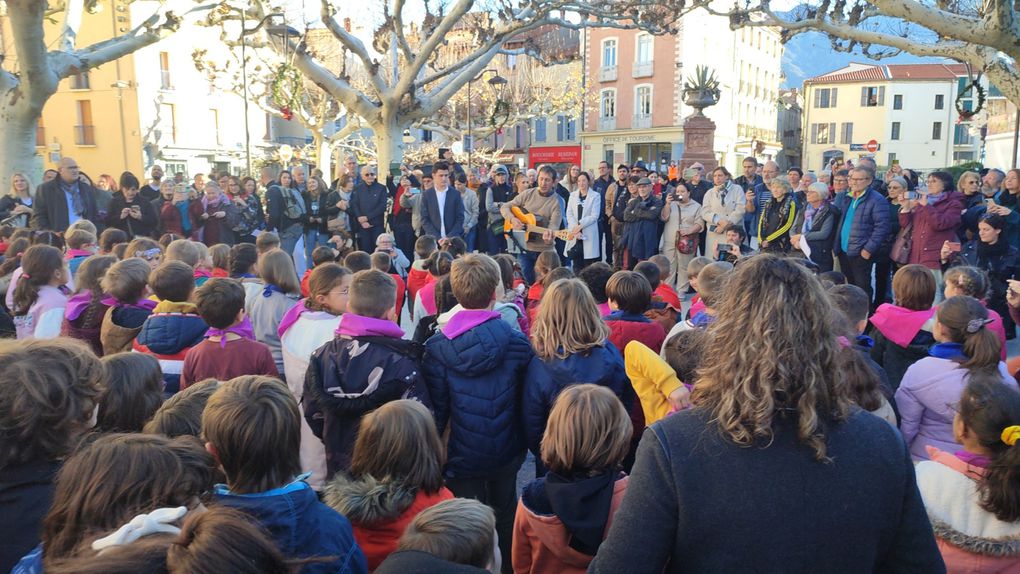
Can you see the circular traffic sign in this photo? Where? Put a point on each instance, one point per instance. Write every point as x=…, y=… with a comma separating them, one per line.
x=872, y=146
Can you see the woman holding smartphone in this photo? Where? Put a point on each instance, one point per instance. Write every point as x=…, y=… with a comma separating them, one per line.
x=130, y=212
x=933, y=219
x=991, y=253
x=1006, y=205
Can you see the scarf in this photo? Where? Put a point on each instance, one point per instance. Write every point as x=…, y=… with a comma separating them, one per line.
x=978, y=460
x=361, y=326
x=200, y=273
x=900, y=325
x=242, y=329
x=146, y=304
x=291, y=316
x=78, y=303
x=987, y=251
x=270, y=289
x=951, y=351
x=583, y=506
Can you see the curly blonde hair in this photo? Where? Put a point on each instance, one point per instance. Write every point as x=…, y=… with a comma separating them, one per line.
x=758, y=366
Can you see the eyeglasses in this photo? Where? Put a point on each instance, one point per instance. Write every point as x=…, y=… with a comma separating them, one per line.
x=369, y=175
x=859, y=179
x=345, y=291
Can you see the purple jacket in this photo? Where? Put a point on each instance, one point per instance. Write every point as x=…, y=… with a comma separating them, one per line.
x=933, y=225
x=930, y=389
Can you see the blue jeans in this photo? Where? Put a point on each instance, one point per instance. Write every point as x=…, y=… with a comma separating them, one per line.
x=470, y=237
x=527, y=260
x=313, y=239
x=289, y=237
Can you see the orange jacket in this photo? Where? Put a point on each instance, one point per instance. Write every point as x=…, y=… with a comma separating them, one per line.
x=541, y=543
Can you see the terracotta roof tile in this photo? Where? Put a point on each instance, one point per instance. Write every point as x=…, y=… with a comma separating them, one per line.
x=859, y=75
x=921, y=72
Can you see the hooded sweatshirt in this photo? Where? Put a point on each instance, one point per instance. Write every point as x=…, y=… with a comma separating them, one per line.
x=302, y=331
x=379, y=511
x=301, y=526
x=542, y=541
x=122, y=324
x=476, y=367
x=970, y=538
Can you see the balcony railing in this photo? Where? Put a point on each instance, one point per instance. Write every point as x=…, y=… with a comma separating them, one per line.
x=164, y=80
x=40, y=136
x=84, y=135
x=641, y=121
x=607, y=74
x=642, y=69
x=607, y=124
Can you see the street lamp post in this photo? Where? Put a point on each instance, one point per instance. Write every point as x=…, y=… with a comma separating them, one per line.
x=496, y=82
x=244, y=78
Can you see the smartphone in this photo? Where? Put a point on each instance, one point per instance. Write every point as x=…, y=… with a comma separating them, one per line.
x=912, y=195
x=896, y=162
x=724, y=248
x=955, y=247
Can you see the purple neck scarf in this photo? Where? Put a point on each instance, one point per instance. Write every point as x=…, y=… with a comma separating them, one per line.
x=242, y=329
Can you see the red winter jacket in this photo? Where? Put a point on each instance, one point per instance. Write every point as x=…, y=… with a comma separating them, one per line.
x=933, y=226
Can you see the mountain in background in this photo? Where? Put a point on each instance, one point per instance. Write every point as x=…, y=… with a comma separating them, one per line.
x=810, y=54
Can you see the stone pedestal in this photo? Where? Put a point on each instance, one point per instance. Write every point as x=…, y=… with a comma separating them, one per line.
x=699, y=141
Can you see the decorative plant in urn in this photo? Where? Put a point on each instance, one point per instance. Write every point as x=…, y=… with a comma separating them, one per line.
x=701, y=90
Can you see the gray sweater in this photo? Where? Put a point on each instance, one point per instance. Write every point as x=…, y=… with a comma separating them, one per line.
x=266, y=314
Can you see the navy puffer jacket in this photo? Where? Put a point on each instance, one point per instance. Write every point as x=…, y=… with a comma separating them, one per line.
x=476, y=381
x=601, y=365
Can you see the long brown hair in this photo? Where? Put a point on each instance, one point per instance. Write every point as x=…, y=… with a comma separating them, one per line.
x=588, y=432
x=987, y=408
x=112, y=479
x=568, y=321
x=758, y=366
x=965, y=320
x=131, y=392
x=398, y=442
x=324, y=278
x=39, y=264
x=277, y=268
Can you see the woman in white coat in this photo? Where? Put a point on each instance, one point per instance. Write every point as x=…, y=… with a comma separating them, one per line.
x=724, y=204
x=680, y=235
x=583, y=223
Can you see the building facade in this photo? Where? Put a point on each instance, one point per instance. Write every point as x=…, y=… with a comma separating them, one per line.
x=149, y=107
x=638, y=80
x=903, y=114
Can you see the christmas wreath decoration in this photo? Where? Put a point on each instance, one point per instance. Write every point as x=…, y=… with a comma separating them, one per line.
x=500, y=114
x=976, y=86
x=284, y=88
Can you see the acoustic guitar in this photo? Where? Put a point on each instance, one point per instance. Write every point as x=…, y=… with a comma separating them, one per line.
x=531, y=224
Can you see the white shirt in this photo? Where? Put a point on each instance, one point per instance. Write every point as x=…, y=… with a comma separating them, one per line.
x=441, y=198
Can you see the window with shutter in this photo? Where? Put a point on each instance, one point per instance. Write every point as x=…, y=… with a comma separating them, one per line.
x=818, y=97
x=832, y=133
x=814, y=133
x=832, y=98
x=895, y=131
x=540, y=130
x=881, y=96
x=559, y=128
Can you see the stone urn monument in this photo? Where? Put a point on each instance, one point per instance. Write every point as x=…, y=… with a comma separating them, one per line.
x=700, y=92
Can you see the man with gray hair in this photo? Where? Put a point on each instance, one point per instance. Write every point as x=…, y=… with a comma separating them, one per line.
x=759, y=197
x=300, y=181
x=991, y=183
x=864, y=226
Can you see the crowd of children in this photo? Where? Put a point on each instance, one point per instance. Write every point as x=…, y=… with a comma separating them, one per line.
x=166, y=404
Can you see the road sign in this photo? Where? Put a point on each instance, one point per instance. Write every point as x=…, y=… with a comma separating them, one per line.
x=872, y=146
